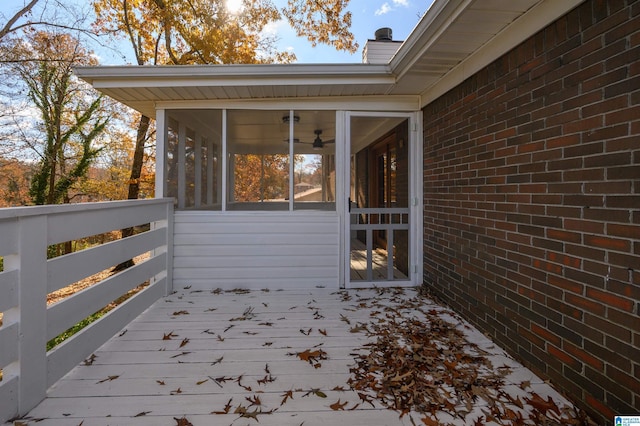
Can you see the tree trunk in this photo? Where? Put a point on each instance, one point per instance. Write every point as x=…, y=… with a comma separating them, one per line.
x=134, y=180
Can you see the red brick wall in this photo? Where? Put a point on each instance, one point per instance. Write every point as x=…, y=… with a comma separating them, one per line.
x=532, y=203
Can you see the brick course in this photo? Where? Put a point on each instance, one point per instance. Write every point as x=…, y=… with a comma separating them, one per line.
x=532, y=203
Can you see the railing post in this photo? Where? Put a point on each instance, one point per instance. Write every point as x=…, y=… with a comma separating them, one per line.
x=169, y=242
x=32, y=306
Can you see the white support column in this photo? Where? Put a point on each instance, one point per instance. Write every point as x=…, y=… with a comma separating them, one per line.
x=32, y=306
x=161, y=154
x=225, y=182
x=292, y=165
x=343, y=167
x=416, y=198
x=210, y=172
x=169, y=242
x=198, y=169
x=182, y=184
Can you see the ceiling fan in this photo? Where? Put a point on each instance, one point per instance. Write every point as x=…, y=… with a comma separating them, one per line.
x=317, y=143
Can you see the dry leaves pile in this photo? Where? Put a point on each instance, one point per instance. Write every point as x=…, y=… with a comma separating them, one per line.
x=427, y=366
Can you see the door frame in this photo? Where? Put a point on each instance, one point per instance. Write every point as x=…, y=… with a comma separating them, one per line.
x=343, y=129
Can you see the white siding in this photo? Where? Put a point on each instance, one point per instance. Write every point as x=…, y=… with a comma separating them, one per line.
x=379, y=52
x=256, y=250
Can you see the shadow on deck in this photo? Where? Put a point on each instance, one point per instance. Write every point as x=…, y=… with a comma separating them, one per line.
x=267, y=358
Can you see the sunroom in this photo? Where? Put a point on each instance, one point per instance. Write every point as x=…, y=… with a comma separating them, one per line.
x=311, y=196
x=309, y=180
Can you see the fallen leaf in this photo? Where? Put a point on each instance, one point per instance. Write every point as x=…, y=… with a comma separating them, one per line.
x=160, y=382
x=142, y=413
x=181, y=354
x=184, y=342
x=338, y=406
x=108, y=379
x=90, y=360
x=541, y=405
x=183, y=422
x=168, y=336
x=226, y=408
x=176, y=392
x=180, y=313
x=255, y=400
x=286, y=396
x=322, y=331
x=202, y=382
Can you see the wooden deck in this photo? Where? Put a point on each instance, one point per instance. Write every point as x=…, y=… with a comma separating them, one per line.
x=194, y=353
x=379, y=258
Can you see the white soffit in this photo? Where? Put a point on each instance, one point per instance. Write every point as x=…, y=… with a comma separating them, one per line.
x=458, y=38
x=454, y=40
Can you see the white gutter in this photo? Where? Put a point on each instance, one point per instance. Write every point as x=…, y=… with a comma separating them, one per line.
x=225, y=75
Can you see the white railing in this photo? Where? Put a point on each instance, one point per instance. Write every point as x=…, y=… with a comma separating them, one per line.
x=379, y=219
x=28, y=370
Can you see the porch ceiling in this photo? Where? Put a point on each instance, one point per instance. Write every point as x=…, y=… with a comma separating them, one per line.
x=453, y=40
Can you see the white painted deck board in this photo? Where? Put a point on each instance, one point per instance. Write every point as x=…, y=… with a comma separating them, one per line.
x=165, y=381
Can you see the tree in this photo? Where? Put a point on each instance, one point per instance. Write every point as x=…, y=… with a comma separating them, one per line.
x=14, y=182
x=70, y=119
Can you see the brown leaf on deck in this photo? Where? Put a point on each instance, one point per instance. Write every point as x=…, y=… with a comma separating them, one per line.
x=338, y=405
x=286, y=396
x=226, y=408
x=541, y=405
x=312, y=357
x=255, y=400
x=184, y=342
x=142, y=413
x=169, y=335
x=108, y=379
x=183, y=312
x=182, y=421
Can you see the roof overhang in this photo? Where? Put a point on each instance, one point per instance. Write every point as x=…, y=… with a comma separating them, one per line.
x=454, y=39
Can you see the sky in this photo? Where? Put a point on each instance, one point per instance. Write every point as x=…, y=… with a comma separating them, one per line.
x=367, y=16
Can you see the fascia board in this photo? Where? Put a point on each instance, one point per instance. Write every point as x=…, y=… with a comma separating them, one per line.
x=208, y=75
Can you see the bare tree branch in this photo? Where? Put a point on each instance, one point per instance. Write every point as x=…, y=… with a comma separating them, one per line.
x=8, y=27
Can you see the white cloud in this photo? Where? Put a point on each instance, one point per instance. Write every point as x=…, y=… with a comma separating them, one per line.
x=274, y=28
x=384, y=9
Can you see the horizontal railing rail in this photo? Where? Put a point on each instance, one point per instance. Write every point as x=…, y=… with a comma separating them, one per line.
x=27, y=277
